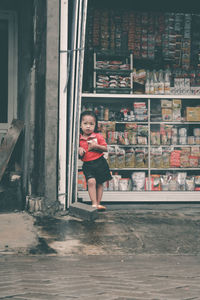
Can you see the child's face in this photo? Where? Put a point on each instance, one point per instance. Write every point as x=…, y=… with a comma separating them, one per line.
x=88, y=124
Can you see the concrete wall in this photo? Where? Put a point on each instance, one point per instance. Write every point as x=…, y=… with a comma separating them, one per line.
x=51, y=105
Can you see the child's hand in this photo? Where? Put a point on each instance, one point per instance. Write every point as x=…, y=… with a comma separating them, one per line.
x=81, y=151
x=92, y=145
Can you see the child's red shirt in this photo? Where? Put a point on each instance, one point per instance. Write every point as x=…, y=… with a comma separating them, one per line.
x=91, y=155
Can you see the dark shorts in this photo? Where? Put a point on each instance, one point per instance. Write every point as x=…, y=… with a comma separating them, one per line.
x=97, y=169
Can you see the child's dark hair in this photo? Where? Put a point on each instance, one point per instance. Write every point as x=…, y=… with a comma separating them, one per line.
x=89, y=113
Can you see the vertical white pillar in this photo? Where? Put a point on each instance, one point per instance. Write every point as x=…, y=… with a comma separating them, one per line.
x=62, y=144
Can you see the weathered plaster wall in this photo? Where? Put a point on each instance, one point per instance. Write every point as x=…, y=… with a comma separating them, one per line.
x=40, y=18
x=51, y=105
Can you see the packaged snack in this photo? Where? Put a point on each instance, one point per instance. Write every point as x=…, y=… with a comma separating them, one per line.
x=155, y=183
x=194, y=161
x=184, y=161
x=138, y=181
x=132, y=138
x=195, y=150
x=181, y=177
x=124, y=184
x=116, y=179
x=120, y=157
x=121, y=138
x=189, y=183
x=174, y=131
x=175, y=159
x=197, y=183
x=185, y=150
x=82, y=184
x=164, y=140
x=166, y=103
x=182, y=131
x=164, y=183
x=131, y=126
x=141, y=158
x=142, y=130
x=156, y=158
x=129, y=158
x=166, y=114
x=112, y=137
x=111, y=157
x=155, y=138
x=197, y=140
x=174, y=139
x=176, y=114
x=196, y=131
x=191, y=140
x=142, y=140
x=176, y=103
x=182, y=140
x=173, y=183
x=193, y=114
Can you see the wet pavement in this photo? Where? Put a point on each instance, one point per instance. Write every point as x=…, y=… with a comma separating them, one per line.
x=118, y=277
x=148, y=252
x=169, y=229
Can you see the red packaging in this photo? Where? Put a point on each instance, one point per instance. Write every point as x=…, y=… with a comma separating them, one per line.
x=175, y=158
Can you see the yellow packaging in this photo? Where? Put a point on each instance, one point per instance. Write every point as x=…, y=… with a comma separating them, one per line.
x=176, y=103
x=167, y=114
x=193, y=114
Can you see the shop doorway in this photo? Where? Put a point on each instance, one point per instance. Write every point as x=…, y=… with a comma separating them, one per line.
x=8, y=70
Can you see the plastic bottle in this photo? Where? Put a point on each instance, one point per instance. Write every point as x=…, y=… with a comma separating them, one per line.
x=167, y=82
x=147, y=83
x=151, y=84
x=160, y=82
x=155, y=82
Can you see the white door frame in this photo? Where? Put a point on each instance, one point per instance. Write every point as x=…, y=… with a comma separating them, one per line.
x=68, y=136
x=62, y=143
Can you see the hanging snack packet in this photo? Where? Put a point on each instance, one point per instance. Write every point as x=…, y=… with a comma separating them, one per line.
x=139, y=158
x=129, y=158
x=120, y=157
x=111, y=157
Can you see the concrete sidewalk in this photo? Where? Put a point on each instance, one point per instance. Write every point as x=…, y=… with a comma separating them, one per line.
x=122, y=229
x=17, y=232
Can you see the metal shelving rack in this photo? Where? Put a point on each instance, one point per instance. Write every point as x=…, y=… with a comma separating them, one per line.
x=113, y=72
x=147, y=196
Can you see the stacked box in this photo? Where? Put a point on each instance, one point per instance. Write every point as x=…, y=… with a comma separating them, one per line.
x=193, y=114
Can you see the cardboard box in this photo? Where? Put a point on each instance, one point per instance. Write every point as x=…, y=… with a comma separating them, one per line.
x=193, y=114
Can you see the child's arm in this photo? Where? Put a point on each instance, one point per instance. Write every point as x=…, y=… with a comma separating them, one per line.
x=92, y=145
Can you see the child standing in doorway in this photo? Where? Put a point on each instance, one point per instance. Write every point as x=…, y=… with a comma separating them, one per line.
x=91, y=148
